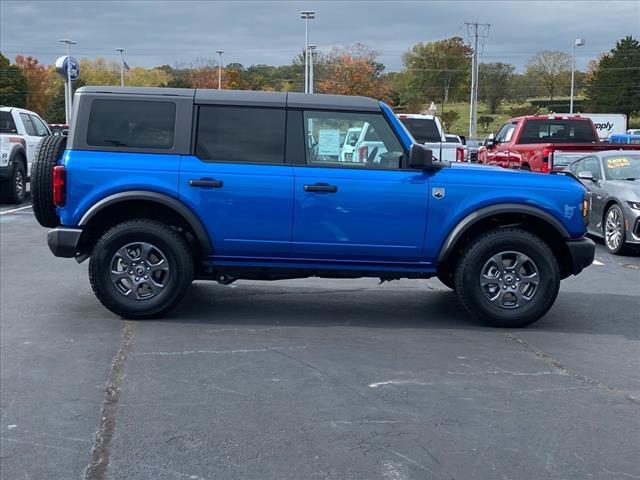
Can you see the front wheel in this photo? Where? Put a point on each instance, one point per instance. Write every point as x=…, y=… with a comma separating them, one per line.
x=141, y=269
x=614, y=231
x=508, y=278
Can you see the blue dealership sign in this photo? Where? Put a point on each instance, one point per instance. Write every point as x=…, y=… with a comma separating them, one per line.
x=68, y=67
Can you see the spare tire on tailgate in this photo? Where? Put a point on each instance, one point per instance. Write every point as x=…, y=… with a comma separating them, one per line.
x=49, y=152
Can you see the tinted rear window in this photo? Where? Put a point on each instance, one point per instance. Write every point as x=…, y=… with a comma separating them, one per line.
x=557, y=131
x=422, y=129
x=238, y=134
x=7, y=125
x=131, y=124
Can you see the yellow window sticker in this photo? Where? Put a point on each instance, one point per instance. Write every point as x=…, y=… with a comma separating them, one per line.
x=618, y=162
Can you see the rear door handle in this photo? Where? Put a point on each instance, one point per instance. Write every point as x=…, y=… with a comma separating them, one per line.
x=205, y=182
x=321, y=187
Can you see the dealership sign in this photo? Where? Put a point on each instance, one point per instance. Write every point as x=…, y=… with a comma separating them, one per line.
x=68, y=67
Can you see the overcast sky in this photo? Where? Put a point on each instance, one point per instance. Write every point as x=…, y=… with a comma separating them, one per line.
x=177, y=32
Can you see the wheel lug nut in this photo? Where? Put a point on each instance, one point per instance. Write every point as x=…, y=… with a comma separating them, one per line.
x=131, y=272
x=137, y=279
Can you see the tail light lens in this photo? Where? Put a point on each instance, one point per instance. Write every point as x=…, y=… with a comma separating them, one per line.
x=363, y=153
x=546, y=153
x=18, y=140
x=59, y=190
x=459, y=154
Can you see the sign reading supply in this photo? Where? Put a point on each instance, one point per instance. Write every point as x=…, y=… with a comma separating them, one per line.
x=607, y=124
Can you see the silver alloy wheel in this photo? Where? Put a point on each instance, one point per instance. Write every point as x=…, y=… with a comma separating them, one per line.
x=509, y=279
x=613, y=229
x=139, y=271
x=19, y=184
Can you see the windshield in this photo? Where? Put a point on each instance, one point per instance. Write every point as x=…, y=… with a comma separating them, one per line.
x=7, y=125
x=422, y=129
x=622, y=167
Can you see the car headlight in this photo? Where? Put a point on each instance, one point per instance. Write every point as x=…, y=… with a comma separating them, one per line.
x=634, y=205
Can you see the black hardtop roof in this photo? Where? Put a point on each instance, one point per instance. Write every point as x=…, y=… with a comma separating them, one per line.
x=247, y=97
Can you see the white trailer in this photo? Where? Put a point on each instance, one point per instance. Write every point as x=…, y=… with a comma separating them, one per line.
x=608, y=123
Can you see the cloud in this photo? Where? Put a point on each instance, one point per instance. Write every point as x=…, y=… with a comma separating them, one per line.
x=159, y=32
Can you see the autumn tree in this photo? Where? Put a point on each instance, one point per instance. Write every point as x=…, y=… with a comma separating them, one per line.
x=551, y=69
x=437, y=70
x=204, y=73
x=354, y=70
x=494, y=82
x=615, y=83
x=13, y=84
x=36, y=76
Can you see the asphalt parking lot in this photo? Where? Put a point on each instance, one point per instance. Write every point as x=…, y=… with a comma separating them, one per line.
x=312, y=379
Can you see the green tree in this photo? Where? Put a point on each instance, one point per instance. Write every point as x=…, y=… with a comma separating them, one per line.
x=13, y=84
x=615, y=83
x=437, y=70
x=494, y=82
x=551, y=70
x=485, y=121
x=449, y=118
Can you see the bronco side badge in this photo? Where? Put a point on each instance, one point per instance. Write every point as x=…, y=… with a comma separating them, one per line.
x=437, y=192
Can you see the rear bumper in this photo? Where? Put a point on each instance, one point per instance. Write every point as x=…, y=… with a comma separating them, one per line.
x=63, y=242
x=582, y=252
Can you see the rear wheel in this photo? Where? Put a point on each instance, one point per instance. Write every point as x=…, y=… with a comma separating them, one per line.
x=508, y=278
x=49, y=152
x=141, y=269
x=15, y=188
x=614, y=231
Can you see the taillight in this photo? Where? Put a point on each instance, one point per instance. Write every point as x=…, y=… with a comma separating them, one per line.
x=363, y=154
x=459, y=154
x=59, y=180
x=546, y=153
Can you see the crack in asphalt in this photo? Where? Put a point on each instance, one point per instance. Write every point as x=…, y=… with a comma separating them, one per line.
x=97, y=468
x=564, y=370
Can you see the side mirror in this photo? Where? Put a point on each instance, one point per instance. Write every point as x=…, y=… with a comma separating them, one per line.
x=421, y=158
x=585, y=175
x=490, y=142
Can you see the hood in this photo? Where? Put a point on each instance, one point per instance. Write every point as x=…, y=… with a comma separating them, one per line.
x=624, y=189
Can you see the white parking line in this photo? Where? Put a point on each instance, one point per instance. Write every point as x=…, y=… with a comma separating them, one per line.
x=596, y=262
x=15, y=210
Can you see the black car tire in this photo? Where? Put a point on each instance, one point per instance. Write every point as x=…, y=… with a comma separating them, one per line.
x=14, y=189
x=479, y=253
x=47, y=155
x=622, y=246
x=167, y=241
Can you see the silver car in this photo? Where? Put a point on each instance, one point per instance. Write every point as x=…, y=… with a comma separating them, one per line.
x=613, y=178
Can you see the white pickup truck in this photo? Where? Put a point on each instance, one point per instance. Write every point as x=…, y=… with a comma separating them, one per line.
x=20, y=134
x=426, y=129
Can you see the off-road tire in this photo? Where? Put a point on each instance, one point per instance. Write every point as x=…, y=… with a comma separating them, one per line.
x=47, y=155
x=475, y=257
x=14, y=189
x=169, y=241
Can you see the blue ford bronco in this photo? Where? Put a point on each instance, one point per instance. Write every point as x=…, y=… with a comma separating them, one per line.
x=159, y=186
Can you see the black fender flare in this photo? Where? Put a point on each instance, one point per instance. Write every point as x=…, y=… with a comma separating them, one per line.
x=16, y=151
x=478, y=215
x=166, y=200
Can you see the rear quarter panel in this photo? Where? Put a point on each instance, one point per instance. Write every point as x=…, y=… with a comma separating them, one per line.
x=94, y=175
x=469, y=188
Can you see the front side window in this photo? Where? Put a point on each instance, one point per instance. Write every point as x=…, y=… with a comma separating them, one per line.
x=505, y=133
x=375, y=147
x=239, y=134
x=590, y=164
x=131, y=124
x=41, y=130
x=28, y=126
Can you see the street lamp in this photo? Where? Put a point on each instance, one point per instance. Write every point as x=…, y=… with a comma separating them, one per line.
x=579, y=42
x=312, y=52
x=306, y=15
x=68, y=92
x=220, y=52
x=121, y=50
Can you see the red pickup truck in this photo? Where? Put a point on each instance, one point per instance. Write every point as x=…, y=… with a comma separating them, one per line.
x=528, y=143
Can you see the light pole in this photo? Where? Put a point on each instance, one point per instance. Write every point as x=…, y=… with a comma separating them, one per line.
x=220, y=52
x=306, y=15
x=579, y=42
x=312, y=52
x=68, y=92
x=121, y=50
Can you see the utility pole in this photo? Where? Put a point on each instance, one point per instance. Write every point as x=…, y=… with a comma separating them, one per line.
x=578, y=42
x=306, y=15
x=121, y=50
x=478, y=31
x=220, y=52
x=312, y=52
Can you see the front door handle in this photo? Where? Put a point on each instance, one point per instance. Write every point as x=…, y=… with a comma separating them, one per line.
x=321, y=187
x=205, y=182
